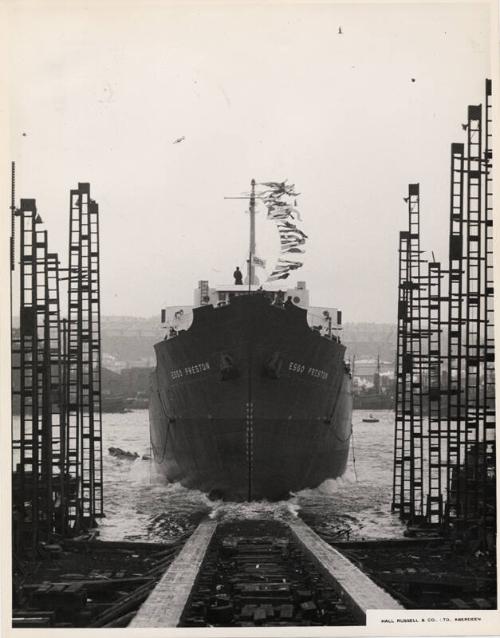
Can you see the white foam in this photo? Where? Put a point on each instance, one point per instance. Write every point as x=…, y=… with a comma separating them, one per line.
x=145, y=472
x=136, y=493
x=230, y=511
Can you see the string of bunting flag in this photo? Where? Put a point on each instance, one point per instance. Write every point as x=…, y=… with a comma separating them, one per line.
x=280, y=199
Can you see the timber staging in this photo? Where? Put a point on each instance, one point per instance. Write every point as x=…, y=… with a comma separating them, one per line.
x=245, y=574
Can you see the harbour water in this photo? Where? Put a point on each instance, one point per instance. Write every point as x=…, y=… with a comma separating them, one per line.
x=139, y=506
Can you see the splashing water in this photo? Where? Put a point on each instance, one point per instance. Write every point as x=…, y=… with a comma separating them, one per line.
x=140, y=506
x=278, y=511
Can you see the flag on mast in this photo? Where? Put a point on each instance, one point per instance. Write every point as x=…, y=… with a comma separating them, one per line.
x=280, y=199
x=257, y=261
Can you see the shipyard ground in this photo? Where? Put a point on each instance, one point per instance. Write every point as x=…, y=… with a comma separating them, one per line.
x=79, y=583
x=243, y=574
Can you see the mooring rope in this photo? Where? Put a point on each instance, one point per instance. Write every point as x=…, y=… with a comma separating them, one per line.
x=150, y=461
x=353, y=455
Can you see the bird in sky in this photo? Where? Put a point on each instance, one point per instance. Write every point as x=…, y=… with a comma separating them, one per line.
x=407, y=199
x=179, y=139
x=464, y=126
x=340, y=31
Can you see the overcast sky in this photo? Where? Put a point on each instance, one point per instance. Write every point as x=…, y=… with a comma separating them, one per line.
x=265, y=92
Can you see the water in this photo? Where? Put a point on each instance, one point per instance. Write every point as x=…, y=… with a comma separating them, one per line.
x=139, y=506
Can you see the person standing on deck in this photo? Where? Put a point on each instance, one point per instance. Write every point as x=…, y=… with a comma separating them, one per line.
x=238, y=277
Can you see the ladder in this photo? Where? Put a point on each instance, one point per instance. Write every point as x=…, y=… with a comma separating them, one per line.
x=408, y=439
x=436, y=432
x=25, y=353
x=58, y=416
x=474, y=309
x=42, y=426
x=400, y=444
x=73, y=363
x=95, y=354
x=415, y=334
x=488, y=338
x=455, y=398
x=84, y=360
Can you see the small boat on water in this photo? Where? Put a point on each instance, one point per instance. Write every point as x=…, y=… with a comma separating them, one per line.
x=370, y=419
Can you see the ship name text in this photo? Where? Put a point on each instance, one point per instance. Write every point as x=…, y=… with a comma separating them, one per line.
x=196, y=368
x=301, y=368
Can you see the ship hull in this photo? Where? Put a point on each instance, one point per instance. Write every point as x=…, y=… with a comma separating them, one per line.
x=250, y=403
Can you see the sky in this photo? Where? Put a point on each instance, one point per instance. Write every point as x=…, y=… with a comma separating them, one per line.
x=99, y=92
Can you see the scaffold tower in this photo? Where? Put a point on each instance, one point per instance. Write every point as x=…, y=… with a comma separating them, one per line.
x=445, y=391
x=408, y=446
x=29, y=448
x=56, y=377
x=83, y=360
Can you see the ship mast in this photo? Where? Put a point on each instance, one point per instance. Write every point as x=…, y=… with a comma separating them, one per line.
x=251, y=278
x=378, y=388
x=251, y=251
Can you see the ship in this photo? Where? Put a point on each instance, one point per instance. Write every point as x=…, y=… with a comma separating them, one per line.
x=374, y=398
x=251, y=395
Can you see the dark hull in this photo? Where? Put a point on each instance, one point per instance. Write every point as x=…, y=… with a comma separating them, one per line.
x=255, y=429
